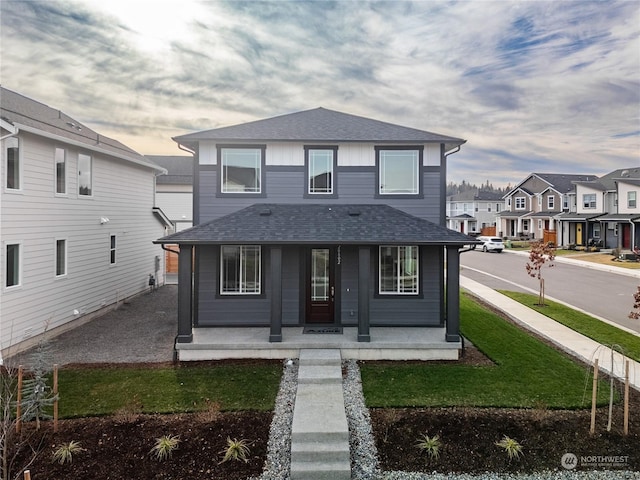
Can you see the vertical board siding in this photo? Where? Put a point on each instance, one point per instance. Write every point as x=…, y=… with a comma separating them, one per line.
x=122, y=192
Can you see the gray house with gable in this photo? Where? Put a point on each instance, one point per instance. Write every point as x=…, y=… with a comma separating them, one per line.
x=318, y=219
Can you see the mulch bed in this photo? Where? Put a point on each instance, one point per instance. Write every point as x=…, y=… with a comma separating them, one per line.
x=119, y=447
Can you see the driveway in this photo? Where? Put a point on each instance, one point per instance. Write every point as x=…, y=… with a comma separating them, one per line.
x=141, y=330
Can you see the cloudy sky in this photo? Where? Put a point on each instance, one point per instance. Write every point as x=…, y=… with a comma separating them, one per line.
x=533, y=86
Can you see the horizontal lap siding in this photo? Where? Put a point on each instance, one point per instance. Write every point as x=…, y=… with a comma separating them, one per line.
x=245, y=310
x=409, y=310
x=355, y=185
x=37, y=217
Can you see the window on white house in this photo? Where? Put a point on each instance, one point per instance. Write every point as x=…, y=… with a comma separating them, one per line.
x=398, y=270
x=241, y=170
x=60, y=158
x=13, y=163
x=551, y=202
x=589, y=200
x=320, y=170
x=565, y=202
x=631, y=199
x=12, y=265
x=488, y=207
x=497, y=207
x=399, y=172
x=85, y=186
x=240, y=269
x=61, y=258
x=520, y=203
x=112, y=249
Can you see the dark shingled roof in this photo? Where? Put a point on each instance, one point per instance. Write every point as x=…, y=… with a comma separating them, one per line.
x=470, y=195
x=19, y=110
x=319, y=125
x=315, y=223
x=179, y=169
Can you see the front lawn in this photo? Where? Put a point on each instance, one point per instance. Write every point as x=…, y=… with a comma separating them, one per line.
x=588, y=326
x=168, y=389
x=527, y=372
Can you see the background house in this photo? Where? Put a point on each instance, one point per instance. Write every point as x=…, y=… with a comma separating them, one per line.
x=77, y=217
x=318, y=218
x=174, y=196
x=605, y=211
x=474, y=212
x=532, y=206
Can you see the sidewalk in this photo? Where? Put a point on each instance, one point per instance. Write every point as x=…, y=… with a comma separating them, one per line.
x=568, y=340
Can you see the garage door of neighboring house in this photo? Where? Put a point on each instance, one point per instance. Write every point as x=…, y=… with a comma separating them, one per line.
x=171, y=259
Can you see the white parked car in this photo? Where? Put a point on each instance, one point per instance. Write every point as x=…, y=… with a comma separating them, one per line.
x=492, y=244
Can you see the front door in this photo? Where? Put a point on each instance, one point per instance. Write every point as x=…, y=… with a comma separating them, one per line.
x=320, y=286
x=579, y=234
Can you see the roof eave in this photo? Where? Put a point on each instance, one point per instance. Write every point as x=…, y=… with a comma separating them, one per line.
x=93, y=148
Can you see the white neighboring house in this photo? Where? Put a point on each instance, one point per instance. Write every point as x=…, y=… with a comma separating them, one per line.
x=174, y=191
x=473, y=210
x=77, y=221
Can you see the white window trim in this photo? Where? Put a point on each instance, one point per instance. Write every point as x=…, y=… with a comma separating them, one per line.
x=396, y=291
x=261, y=164
x=309, y=152
x=55, y=257
x=551, y=202
x=20, y=244
x=243, y=293
x=416, y=172
x=635, y=199
x=55, y=173
x=584, y=203
x=524, y=203
x=5, y=159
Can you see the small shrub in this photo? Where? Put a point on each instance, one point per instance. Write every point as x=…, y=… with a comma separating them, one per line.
x=165, y=446
x=236, y=450
x=65, y=452
x=430, y=445
x=510, y=446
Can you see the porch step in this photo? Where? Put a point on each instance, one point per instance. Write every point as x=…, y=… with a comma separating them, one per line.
x=320, y=435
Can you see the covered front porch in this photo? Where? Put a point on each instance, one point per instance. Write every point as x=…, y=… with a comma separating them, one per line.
x=387, y=343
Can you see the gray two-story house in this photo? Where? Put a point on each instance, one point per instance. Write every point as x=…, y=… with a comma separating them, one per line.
x=317, y=220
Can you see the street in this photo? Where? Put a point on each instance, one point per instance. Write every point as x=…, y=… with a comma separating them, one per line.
x=601, y=293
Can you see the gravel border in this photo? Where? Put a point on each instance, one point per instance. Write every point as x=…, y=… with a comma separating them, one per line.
x=364, y=455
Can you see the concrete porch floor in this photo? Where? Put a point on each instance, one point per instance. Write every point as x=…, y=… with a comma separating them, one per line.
x=387, y=343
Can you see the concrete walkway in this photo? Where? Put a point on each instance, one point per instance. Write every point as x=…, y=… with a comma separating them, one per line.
x=319, y=434
x=569, y=340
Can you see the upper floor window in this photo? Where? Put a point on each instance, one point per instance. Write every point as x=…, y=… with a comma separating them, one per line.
x=631, y=199
x=241, y=169
x=13, y=163
x=565, y=202
x=399, y=170
x=85, y=168
x=12, y=265
x=589, y=200
x=398, y=270
x=540, y=200
x=60, y=158
x=240, y=270
x=497, y=207
x=551, y=202
x=61, y=258
x=488, y=207
x=321, y=164
x=520, y=203
x=112, y=249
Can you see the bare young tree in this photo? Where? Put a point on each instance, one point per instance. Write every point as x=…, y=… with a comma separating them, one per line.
x=541, y=253
x=635, y=313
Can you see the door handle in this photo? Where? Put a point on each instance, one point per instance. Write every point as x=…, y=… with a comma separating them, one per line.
x=332, y=292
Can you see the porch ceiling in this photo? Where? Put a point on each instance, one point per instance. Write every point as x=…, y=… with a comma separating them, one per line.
x=319, y=223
